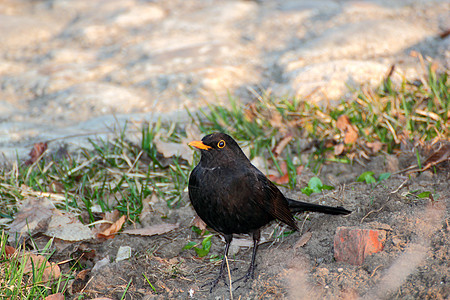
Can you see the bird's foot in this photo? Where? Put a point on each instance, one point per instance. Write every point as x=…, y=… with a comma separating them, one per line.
x=215, y=282
x=246, y=277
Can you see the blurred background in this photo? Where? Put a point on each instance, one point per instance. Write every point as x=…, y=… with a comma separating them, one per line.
x=74, y=69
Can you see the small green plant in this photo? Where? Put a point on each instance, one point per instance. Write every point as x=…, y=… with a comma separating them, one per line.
x=202, y=249
x=368, y=177
x=417, y=194
x=315, y=185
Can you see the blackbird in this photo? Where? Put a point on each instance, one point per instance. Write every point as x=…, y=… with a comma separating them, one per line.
x=232, y=196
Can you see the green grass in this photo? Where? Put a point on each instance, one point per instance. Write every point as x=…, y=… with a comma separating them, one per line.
x=17, y=282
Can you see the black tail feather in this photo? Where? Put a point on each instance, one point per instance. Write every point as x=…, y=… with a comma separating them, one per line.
x=299, y=206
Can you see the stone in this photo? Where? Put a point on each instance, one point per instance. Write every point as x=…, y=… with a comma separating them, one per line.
x=353, y=245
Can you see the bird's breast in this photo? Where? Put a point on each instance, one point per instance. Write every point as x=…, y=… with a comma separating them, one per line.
x=222, y=200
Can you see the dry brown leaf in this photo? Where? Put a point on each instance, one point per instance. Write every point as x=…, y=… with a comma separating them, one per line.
x=303, y=240
x=146, y=208
x=281, y=145
x=284, y=170
x=9, y=250
x=35, y=262
x=153, y=230
x=440, y=155
x=36, y=152
x=351, y=135
x=199, y=223
x=299, y=169
x=342, y=122
x=350, y=132
x=375, y=147
x=279, y=180
x=110, y=232
x=108, y=218
x=169, y=149
x=339, y=148
x=80, y=281
x=276, y=119
x=33, y=217
x=57, y=296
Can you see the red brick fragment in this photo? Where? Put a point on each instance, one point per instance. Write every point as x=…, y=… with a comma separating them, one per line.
x=353, y=245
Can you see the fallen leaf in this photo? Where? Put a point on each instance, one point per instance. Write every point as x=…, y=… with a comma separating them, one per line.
x=375, y=146
x=299, y=169
x=342, y=122
x=199, y=223
x=146, y=208
x=444, y=34
x=152, y=230
x=440, y=155
x=350, y=132
x=280, y=180
x=303, y=240
x=35, y=262
x=169, y=149
x=36, y=152
x=339, y=148
x=281, y=145
x=57, y=296
x=276, y=120
x=108, y=219
x=110, y=232
x=351, y=136
x=9, y=251
x=67, y=227
x=80, y=281
x=32, y=218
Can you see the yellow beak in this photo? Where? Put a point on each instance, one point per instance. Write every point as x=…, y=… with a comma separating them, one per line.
x=199, y=145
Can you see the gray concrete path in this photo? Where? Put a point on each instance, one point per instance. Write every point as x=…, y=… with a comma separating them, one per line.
x=80, y=67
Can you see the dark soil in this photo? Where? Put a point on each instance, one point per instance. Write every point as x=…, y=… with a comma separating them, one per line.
x=414, y=264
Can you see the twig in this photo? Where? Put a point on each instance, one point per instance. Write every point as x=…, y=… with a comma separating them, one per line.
x=373, y=211
x=229, y=277
x=373, y=273
x=400, y=186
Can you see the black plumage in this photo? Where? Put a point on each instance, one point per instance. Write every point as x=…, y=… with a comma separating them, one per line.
x=232, y=196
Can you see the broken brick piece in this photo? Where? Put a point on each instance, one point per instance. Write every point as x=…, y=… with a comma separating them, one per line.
x=353, y=245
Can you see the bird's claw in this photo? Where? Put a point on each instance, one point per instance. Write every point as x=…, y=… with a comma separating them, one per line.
x=214, y=283
x=246, y=277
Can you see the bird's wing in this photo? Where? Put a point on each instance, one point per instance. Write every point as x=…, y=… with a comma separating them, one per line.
x=275, y=203
x=266, y=196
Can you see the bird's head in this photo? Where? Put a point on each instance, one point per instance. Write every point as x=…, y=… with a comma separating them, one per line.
x=219, y=148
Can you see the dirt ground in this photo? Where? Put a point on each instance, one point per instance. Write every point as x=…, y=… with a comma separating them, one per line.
x=415, y=262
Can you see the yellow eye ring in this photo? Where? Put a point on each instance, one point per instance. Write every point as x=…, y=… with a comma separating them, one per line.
x=221, y=144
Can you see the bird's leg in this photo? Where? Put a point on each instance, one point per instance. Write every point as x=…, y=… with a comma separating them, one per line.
x=228, y=238
x=251, y=269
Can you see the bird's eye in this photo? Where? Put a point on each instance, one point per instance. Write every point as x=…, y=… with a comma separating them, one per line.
x=221, y=144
